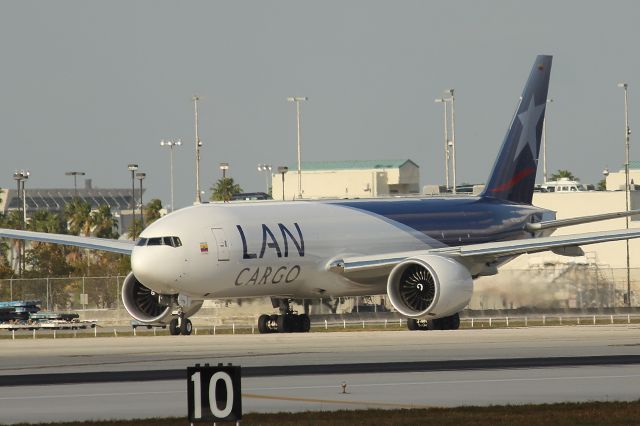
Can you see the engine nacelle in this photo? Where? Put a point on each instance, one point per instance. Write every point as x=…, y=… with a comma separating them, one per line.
x=429, y=286
x=149, y=307
x=142, y=303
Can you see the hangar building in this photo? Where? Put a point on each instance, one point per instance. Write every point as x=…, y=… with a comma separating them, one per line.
x=349, y=179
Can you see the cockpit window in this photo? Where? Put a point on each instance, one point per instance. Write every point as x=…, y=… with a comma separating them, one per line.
x=156, y=241
x=160, y=241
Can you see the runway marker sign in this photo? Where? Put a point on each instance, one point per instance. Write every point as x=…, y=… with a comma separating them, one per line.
x=214, y=393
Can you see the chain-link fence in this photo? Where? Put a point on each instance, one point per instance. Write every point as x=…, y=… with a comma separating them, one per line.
x=558, y=287
x=65, y=294
x=566, y=287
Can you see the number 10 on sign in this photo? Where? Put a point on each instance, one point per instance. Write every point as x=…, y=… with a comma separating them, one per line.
x=214, y=393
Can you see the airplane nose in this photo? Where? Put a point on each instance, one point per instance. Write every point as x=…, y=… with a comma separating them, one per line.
x=156, y=267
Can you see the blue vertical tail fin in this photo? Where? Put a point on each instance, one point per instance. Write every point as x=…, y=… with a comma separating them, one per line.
x=514, y=172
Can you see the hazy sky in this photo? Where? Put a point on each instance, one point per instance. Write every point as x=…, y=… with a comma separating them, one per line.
x=93, y=86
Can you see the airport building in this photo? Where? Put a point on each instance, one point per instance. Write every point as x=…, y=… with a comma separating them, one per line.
x=616, y=180
x=349, y=179
x=55, y=200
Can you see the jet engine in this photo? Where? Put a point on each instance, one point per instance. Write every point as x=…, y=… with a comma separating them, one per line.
x=144, y=304
x=429, y=286
x=147, y=306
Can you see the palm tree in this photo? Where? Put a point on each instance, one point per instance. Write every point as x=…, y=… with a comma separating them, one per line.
x=13, y=220
x=46, y=259
x=224, y=189
x=135, y=228
x=104, y=223
x=5, y=266
x=78, y=214
x=560, y=174
x=46, y=221
x=152, y=211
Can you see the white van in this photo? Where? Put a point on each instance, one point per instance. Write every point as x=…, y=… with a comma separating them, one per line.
x=564, y=185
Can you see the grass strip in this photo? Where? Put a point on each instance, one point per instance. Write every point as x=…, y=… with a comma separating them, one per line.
x=589, y=413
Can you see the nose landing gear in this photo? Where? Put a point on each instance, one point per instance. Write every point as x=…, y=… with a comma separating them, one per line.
x=289, y=321
x=180, y=325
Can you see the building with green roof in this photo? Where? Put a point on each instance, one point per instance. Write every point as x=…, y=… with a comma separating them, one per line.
x=349, y=179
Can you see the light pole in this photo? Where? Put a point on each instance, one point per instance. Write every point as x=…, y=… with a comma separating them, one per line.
x=140, y=177
x=266, y=168
x=20, y=176
x=605, y=174
x=627, y=136
x=75, y=182
x=446, y=141
x=132, y=168
x=453, y=136
x=224, y=167
x=544, y=144
x=198, y=146
x=225, y=196
x=170, y=144
x=282, y=170
x=297, y=100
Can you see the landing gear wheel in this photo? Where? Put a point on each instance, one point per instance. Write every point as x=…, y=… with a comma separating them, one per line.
x=263, y=324
x=305, y=323
x=174, y=330
x=284, y=324
x=451, y=322
x=454, y=322
x=434, y=325
x=186, y=327
x=412, y=324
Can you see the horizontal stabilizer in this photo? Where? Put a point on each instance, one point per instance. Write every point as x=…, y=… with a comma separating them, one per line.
x=554, y=224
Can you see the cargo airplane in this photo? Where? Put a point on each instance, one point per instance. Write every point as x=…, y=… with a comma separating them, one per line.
x=424, y=253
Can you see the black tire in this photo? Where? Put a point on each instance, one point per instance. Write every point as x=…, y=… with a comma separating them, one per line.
x=174, y=330
x=263, y=324
x=412, y=324
x=434, y=324
x=454, y=322
x=305, y=323
x=284, y=324
x=186, y=327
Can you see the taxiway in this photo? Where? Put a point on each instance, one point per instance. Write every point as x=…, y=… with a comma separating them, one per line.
x=407, y=369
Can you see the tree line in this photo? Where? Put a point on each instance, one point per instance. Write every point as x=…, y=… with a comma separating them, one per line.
x=77, y=218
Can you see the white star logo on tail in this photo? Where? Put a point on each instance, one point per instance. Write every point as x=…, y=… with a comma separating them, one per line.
x=528, y=135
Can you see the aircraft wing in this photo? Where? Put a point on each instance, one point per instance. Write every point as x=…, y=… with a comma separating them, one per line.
x=115, y=246
x=362, y=268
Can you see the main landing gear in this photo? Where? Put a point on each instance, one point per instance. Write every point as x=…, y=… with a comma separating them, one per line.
x=180, y=325
x=446, y=323
x=288, y=321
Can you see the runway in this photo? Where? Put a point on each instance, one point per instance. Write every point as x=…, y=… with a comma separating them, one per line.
x=381, y=369
x=299, y=393
x=90, y=354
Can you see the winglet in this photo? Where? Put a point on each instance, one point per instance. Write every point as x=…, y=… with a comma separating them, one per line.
x=514, y=172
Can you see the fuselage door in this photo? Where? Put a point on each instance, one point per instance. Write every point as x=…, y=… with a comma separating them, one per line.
x=221, y=243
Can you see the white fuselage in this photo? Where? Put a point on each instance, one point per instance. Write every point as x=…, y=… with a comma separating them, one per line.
x=266, y=249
